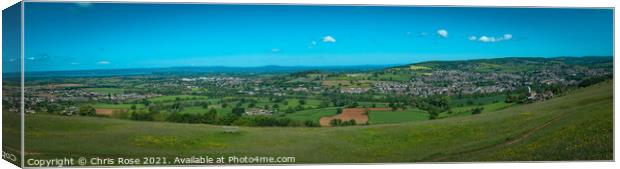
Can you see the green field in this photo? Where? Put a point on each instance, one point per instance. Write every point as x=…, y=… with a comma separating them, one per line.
x=478, y=100
x=578, y=126
x=380, y=117
x=117, y=106
x=313, y=114
x=467, y=110
x=174, y=98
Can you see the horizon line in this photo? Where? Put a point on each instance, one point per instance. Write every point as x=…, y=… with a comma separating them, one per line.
x=291, y=66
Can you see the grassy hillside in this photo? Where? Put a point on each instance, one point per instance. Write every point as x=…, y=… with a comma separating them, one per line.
x=578, y=126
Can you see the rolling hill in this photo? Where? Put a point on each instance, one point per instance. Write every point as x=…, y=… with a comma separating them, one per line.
x=513, y=64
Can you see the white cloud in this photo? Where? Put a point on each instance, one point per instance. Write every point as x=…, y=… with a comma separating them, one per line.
x=443, y=33
x=329, y=39
x=103, y=62
x=489, y=39
x=84, y=4
x=30, y=58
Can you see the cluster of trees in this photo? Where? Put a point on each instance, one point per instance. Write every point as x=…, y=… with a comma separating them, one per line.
x=234, y=118
x=310, y=123
x=278, y=104
x=339, y=122
x=434, y=105
x=67, y=109
x=264, y=121
x=49, y=107
x=176, y=106
x=208, y=117
x=290, y=109
x=595, y=80
x=341, y=101
x=87, y=110
x=142, y=115
x=477, y=110
x=397, y=105
x=516, y=98
x=522, y=94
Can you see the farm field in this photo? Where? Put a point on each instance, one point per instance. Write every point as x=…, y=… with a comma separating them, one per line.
x=398, y=116
x=359, y=115
x=467, y=110
x=117, y=106
x=581, y=120
x=314, y=114
x=105, y=112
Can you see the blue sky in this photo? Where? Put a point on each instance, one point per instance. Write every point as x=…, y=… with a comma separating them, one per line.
x=70, y=36
x=11, y=39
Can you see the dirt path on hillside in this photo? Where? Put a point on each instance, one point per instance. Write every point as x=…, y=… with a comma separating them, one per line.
x=511, y=141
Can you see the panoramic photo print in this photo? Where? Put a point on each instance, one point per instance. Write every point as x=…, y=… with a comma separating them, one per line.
x=136, y=84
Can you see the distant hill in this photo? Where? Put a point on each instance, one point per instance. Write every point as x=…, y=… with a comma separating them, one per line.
x=511, y=64
x=193, y=70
